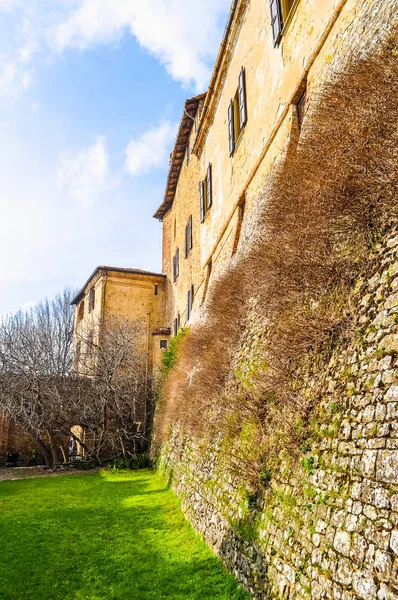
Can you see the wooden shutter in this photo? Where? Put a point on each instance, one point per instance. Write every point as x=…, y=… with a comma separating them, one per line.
x=174, y=269
x=231, y=128
x=175, y=326
x=188, y=304
x=209, y=187
x=242, y=98
x=178, y=321
x=177, y=258
x=276, y=20
x=202, y=201
x=190, y=233
x=186, y=241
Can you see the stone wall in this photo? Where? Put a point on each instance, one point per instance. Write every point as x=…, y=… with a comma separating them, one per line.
x=329, y=524
x=13, y=438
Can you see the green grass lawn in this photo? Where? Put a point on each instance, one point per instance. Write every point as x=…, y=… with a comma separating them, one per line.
x=103, y=536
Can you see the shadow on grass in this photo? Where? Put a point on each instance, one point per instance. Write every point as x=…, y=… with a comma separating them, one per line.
x=111, y=536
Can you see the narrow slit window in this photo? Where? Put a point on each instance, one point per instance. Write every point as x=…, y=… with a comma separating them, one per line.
x=163, y=344
x=156, y=289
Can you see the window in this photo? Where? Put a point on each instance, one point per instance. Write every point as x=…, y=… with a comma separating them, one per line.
x=156, y=289
x=188, y=237
x=176, y=324
x=202, y=200
x=80, y=313
x=280, y=11
x=176, y=265
x=91, y=299
x=206, y=193
x=190, y=296
x=237, y=112
x=163, y=344
x=301, y=109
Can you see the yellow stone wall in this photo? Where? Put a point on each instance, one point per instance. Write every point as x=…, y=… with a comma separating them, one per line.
x=130, y=297
x=275, y=80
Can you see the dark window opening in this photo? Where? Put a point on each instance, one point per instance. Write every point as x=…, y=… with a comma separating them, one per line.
x=156, y=289
x=175, y=327
x=301, y=109
x=163, y=344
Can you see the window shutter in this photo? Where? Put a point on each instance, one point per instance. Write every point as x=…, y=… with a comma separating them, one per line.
x=231, y=128
x=192, y=295
x=242, y=98
x=174, y=268
x=209, y=187
x=175, y=326
x=188, y=304
x=190, y=233
x=202, y=201
x=178, y=321
x=186, y=241
x=177, y=258
x=276, y=20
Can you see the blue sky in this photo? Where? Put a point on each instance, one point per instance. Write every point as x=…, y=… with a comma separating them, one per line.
x=91, y=92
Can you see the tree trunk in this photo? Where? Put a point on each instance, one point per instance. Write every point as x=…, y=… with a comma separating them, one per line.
x=54, y=449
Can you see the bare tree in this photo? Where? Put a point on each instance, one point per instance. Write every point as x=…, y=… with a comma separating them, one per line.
x=111, y=366
x=102, y=400
x=35, y=361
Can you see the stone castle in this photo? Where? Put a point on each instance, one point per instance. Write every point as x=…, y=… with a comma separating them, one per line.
x=328, y=526
x=270, y=60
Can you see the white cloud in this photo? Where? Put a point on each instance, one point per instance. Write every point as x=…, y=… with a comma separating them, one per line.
x=85, y=176
x=151, y=149
x=182, y=35
x=14, y=78
x=7, y=4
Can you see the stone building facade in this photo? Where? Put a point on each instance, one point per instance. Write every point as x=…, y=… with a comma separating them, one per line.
x=273, y=57
x=131, y=295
